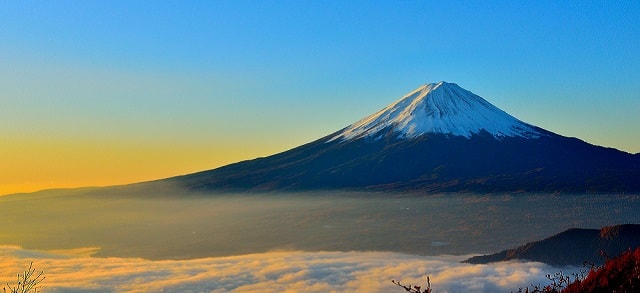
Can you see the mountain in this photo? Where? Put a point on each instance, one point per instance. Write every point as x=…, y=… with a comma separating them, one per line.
x=572, y=247
x=438, y=138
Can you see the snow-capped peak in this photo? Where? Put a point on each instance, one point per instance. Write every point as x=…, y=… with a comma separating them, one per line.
x=439, y=108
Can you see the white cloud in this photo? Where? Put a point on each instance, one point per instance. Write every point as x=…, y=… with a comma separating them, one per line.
x=292, y=271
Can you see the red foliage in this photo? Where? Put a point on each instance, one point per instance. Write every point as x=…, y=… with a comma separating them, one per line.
x=620, y=274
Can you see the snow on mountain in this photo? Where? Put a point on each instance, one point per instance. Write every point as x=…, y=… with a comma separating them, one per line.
x=439, y=108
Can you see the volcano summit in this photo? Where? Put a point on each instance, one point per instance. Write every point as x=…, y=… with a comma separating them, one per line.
x=437, y=138
x=439, y=108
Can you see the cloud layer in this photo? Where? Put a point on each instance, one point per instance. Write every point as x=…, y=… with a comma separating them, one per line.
x=285, y=271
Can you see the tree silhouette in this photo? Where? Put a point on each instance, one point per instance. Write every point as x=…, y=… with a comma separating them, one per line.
x=27, y=281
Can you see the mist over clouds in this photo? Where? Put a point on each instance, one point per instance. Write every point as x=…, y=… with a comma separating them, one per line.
x=283, y=271
x=139, y=240
x=172, y=224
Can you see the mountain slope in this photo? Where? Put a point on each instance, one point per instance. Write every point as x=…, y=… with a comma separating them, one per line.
x=572, y=247
x=439, y=137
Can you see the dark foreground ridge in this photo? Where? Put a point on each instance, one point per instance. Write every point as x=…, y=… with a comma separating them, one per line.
x=378, y=155
x=572, y=247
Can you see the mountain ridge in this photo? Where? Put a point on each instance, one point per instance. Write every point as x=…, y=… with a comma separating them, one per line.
x=571, y=247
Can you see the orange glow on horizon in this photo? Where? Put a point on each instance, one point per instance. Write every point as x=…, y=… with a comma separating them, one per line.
x=29, y=166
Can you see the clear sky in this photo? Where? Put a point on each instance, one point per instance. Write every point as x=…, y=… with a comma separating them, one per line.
x=113, y=92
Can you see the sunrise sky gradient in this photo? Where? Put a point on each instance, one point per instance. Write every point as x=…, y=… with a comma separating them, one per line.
x=114, y=92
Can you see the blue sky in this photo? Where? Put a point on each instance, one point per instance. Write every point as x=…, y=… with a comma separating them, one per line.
x=162, y=88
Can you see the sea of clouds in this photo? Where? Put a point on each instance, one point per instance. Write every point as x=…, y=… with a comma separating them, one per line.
x=286, y=243
x=279, y=271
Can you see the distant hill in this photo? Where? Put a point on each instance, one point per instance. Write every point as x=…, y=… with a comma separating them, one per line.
x=571, y=247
